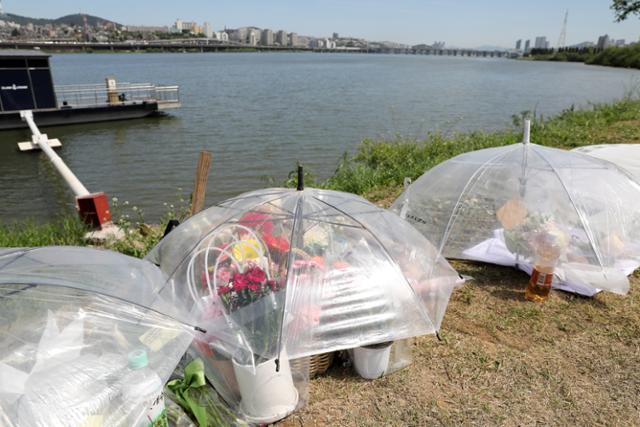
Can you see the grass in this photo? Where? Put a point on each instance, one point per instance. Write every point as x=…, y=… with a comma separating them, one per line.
x=501, y=361
x=66, y=230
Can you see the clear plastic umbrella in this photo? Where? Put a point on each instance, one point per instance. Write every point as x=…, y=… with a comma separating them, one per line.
x=281, y=274
x=321, y=270
x=526, y=205
x=625, y=156
x=70, y=320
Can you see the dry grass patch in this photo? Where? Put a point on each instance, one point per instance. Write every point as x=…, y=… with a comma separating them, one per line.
x=624, y=132
x=501, y=361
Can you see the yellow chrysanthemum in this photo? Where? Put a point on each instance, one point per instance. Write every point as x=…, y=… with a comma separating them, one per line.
x=246, y=250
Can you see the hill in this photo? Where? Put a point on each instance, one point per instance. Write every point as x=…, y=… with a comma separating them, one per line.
x=74, y=19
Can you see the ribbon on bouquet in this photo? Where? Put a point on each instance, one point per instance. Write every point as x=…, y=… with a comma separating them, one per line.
x=182, y=387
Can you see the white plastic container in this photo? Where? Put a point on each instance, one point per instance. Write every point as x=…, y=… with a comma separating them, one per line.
x=142, y=391
x=266, y=395
x=371, y=362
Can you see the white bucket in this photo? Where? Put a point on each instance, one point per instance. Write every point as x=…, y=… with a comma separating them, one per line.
x=266, y=395
x=371, y=362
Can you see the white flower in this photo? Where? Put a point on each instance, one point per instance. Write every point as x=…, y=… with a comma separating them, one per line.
x=317, y=235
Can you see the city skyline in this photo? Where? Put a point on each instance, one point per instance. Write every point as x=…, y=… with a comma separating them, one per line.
x=461, y=23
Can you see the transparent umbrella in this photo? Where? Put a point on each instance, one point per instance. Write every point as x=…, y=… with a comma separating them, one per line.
x=525, y=204
x=70, y=319
x=625, y=156
x=308, y=271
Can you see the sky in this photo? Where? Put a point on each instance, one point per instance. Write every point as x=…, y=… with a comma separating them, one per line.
x=460, y=23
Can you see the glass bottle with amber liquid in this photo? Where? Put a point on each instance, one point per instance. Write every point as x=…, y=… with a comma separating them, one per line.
x=548, y=251
x=539, y=285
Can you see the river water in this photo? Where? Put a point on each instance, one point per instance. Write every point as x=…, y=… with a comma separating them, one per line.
x=259, y=113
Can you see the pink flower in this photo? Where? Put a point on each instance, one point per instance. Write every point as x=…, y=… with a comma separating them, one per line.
x=224, y=274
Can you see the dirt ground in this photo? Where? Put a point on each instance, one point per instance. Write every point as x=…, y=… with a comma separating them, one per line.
x=501, y=361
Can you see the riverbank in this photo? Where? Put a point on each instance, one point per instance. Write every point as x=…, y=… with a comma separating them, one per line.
x=622, y=57
x=570, y=361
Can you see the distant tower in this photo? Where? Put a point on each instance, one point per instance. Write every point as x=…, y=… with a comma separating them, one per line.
x=562, y=40
x=1, y=8
x=87, y=36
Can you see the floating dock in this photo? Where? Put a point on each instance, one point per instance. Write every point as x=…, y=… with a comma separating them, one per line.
x=26, y=84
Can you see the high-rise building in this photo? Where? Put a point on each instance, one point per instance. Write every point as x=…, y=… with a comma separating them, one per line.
x=266, y=38
x=253, y=36
x=207, y=29
x=527, y=46
x=336, y=36
x=293, y=39
x=239, y=35
x=281, y=38
x=541, y=43
x=519, y=44
x=603, y=42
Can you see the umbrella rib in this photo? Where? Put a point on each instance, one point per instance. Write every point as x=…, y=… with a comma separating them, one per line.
x=104, y=294
x=583, y=220
x=474, y=178
x=24, y=252
x=390, y=258
x=272, y=193
x=296, y=219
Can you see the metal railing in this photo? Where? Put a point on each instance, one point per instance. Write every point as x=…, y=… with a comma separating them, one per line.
x=97, y=95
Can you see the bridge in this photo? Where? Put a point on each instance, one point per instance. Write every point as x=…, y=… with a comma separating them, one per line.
x=206, y=45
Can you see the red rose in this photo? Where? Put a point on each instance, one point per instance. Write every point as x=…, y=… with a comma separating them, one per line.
x=254, y=287
x=240, y=282
x=255, y=275
x=224, y=290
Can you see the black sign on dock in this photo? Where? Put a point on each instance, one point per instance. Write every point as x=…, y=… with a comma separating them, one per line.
x=25, y=81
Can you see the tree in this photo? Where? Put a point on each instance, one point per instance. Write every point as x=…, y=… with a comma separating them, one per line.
x=624, y=8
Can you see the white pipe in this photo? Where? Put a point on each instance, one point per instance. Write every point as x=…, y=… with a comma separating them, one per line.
x=527, y=132
x=43, y=143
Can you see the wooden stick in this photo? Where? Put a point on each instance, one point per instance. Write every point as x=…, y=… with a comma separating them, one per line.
x=200, y=187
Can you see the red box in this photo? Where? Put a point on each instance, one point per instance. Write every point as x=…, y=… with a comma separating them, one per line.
x=94, y=209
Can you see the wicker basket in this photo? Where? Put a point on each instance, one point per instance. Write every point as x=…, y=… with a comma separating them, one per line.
x=317, y=365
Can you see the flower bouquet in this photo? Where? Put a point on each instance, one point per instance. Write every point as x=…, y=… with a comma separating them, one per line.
x=243, y=281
